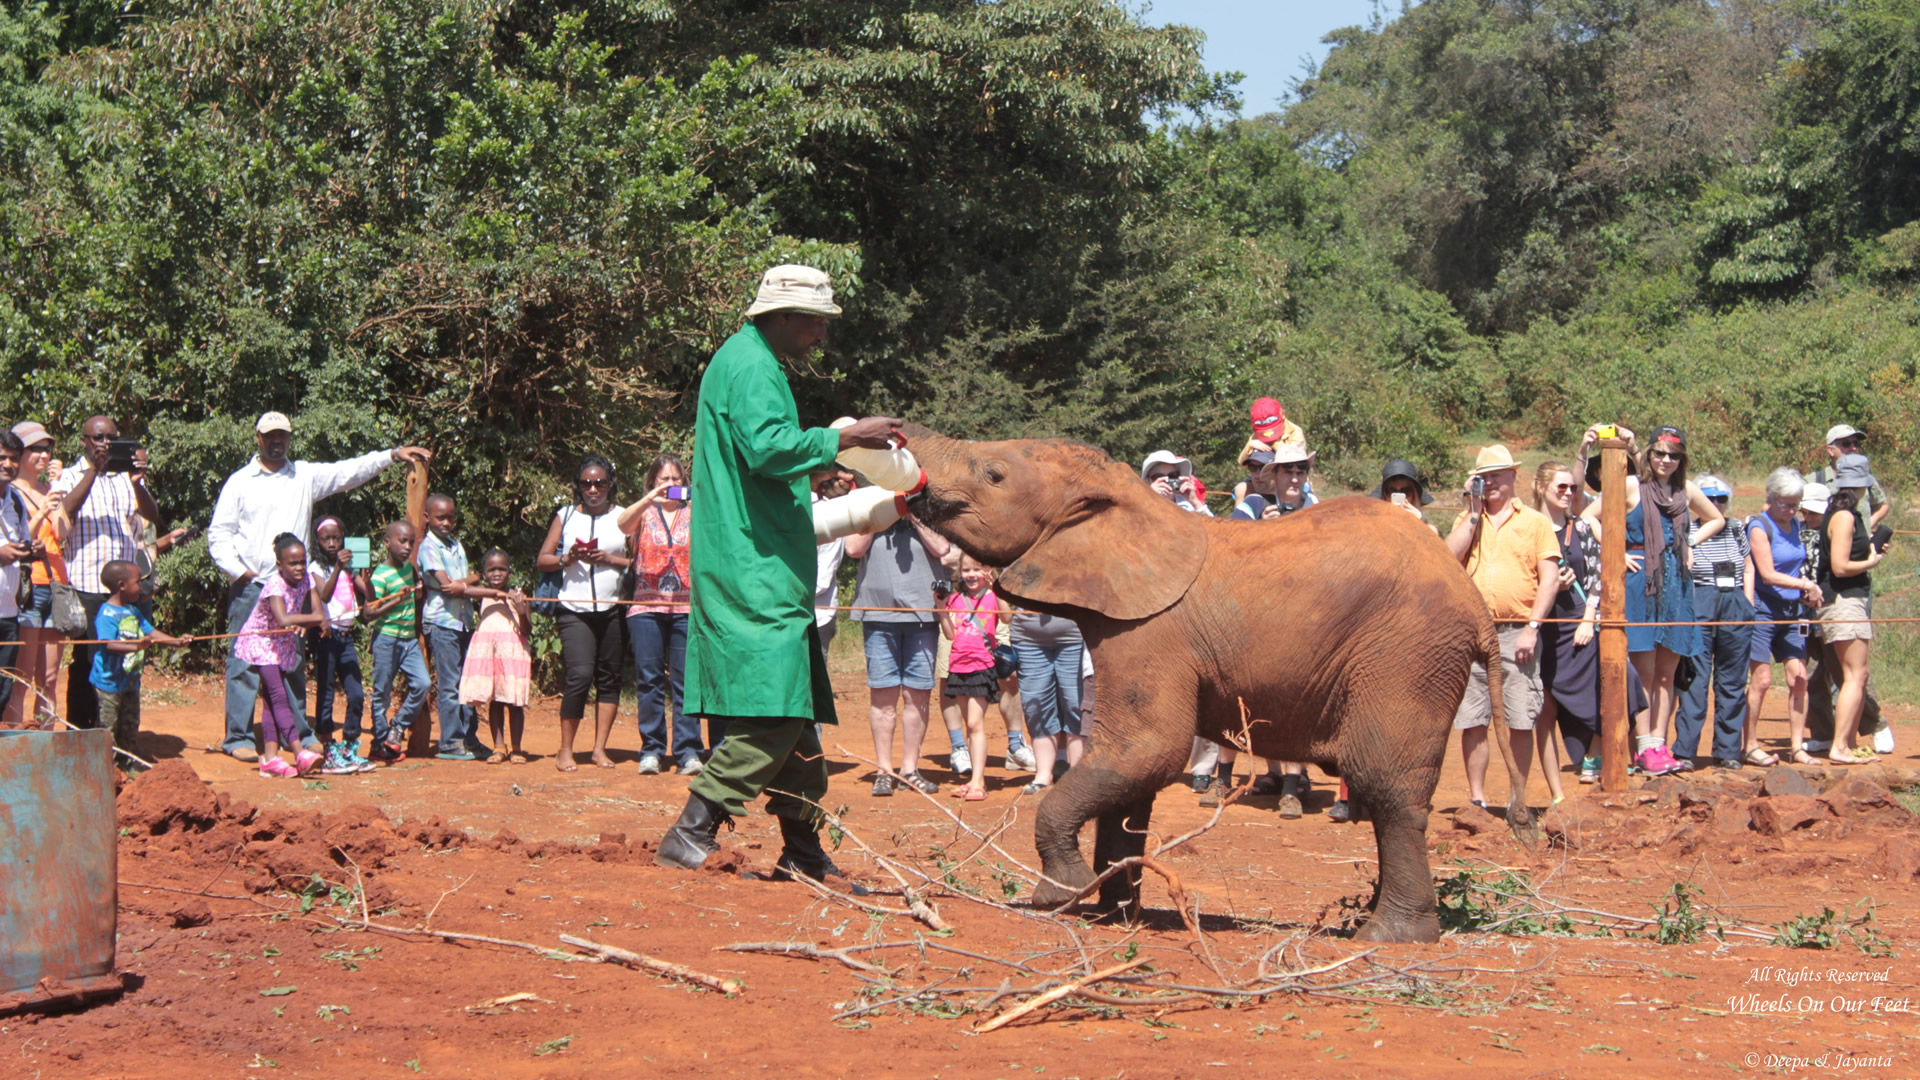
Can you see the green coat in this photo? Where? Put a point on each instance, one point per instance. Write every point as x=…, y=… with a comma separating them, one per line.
x=751, y=642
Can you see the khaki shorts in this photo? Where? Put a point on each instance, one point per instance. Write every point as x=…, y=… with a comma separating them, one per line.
x=1845, y=619
x=1520, y=691
x=940, y=657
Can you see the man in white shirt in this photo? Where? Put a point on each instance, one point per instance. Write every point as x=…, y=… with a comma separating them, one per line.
x=106, y=501
x=271, y=495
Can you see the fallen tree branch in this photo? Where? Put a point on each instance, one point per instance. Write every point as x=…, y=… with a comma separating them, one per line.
x=1043, y=1000
x=627, y=958
x=814, y=952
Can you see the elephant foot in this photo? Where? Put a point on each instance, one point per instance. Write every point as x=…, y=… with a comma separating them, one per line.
x=1073, y=878
x=1408, y=929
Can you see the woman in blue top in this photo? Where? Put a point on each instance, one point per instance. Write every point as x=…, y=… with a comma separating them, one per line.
x=1781, y=590
x=1659, y=579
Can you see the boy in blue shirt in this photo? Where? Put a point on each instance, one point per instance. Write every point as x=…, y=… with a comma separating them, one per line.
x=116, y=665
x=451, y=588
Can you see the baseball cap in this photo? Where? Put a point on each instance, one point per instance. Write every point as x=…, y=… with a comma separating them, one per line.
x=30, y=432
x=1814, y=497
x=1714, y=488
x=1269, y=419
x=273, y=421
x=1841, y=431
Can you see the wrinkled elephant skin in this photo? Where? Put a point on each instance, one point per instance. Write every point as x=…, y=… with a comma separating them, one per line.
x=1346, y=628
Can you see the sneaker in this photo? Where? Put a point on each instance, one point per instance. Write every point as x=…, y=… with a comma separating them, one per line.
x=1022, y=755
x=649, y=765
x=274, y=766
x=1339, y=812
x=387, y=753
x=458, y=753
x=1289, y=806
x=1655, y=761
x=1817, y=746
x=1201, y=782
x=339, y=762
x=962, y=761
x=305, y=760
x=1680, y=765
x=920, y=783
x=691, y=767
x=882, y=786
x=1883, y=740
x=1590, y=770
x=360, y=764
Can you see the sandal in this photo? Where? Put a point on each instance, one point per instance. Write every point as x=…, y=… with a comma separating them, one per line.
x=1801, y=757
x=498, y=757
x=1759, y=756
x=1034, y=788
x=518, y=757
x=969, y=792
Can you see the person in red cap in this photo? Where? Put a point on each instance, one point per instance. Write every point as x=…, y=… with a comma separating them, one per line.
x=1271, y=430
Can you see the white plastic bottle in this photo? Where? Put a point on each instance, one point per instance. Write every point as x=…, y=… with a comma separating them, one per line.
x=894, y=470
x=862, y=510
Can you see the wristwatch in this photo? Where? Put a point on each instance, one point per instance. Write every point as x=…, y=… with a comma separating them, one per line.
x=1534, y=625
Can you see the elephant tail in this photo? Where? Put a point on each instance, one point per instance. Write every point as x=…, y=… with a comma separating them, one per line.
x=1518, y=817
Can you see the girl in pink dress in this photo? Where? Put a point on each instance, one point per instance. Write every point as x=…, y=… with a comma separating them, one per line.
x=970, y=619
x=499, y=667
x=281, y=607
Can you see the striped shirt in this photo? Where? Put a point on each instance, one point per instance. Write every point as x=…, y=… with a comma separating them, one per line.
x=106, y=528
x=1728, y=545
x=400, y=620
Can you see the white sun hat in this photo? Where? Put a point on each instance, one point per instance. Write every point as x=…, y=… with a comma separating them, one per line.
x=795, y=288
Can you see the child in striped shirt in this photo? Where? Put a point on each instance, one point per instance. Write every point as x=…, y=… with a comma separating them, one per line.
x=395, y=644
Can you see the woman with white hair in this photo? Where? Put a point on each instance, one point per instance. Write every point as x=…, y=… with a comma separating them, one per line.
x=1781, y=590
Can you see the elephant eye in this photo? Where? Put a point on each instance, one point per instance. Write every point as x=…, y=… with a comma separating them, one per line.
x=996, y=472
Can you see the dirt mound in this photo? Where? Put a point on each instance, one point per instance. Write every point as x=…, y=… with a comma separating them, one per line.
x=167, y=798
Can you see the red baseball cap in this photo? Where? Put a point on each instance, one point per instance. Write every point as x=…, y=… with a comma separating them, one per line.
x=1269, y=420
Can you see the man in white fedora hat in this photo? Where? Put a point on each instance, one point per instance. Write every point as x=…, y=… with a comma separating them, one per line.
x=1513, y=556
x=753, y=655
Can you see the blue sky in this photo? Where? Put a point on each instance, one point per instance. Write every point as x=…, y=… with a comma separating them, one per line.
x=1265, y=40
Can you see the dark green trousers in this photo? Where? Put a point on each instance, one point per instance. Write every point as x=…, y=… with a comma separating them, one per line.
x=780, y=754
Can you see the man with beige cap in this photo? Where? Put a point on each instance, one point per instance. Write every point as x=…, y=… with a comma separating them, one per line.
x=273, y=494
x=753, y=655
x=1511, y=552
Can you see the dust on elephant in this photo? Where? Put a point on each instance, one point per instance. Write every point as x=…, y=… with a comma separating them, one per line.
x=1346, y=628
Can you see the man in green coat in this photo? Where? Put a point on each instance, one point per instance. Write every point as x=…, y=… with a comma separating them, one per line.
x=753, y=656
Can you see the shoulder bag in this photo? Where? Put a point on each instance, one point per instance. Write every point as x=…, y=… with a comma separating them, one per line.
x=546, y=594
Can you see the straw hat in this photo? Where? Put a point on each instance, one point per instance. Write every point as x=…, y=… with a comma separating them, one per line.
x=1493, y=459
x=795, y=288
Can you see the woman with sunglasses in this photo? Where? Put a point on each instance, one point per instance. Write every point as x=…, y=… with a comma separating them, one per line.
x=586, y=546
x=47, y=524
x=1661, y=503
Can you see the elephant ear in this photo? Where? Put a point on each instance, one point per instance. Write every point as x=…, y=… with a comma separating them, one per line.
x=1117, y=549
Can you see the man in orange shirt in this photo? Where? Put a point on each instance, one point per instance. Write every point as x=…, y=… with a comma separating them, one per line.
x=1513, y=556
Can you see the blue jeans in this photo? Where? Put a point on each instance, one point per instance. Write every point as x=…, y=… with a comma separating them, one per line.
x=900, y=654
x=1723, y=664
x=659, y=642
x=391, y=654
x=449, y=656
x=336, y=661
x=1050, y=687
x=243, y=683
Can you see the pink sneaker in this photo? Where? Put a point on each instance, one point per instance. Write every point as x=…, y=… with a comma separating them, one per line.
x=274, y=766
x=305, y=761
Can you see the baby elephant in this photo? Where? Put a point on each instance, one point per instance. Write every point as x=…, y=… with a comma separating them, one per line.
x=1346, y=628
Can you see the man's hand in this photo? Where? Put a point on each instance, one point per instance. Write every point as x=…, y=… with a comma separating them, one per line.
x=13, y=553
x=1163, y=487
x=1524, y=646
x=872, y=433
x=412, y=454
x=139, y=471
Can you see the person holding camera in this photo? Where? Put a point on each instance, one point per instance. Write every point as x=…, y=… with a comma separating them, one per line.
x=587, y=547
x=41, y=644
x=1852, y=549
x=658, y=528
x=105, y=495
x=1171, y=477
x=1512, y=554
x=270, y=495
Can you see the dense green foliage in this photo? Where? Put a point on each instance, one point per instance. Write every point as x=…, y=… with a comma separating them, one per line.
x=515, y=231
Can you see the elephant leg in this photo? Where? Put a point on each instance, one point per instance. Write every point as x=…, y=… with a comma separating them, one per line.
x=1121, y=835
x=1115, y=784
x=1404, y=906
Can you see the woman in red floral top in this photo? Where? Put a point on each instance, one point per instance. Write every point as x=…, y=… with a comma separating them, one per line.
x=657, y=526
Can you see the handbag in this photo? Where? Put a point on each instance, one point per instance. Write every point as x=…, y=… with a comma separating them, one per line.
x=1005, y=661
x=546, y=593
x=68, y=615
x=24, y=594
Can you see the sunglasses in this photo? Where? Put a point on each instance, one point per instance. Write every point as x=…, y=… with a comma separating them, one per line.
x=1296, y=467
x=1163, y=476
x=1847, y=444
x=1562, y=487
x=1666, y=455
x=595, y=483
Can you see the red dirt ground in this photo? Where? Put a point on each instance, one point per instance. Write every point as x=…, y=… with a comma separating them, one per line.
x=227, y=978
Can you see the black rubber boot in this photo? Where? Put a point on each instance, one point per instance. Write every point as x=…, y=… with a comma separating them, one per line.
x=693, y=837
x=801, y=852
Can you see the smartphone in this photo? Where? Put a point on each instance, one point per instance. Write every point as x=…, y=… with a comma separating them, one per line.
x=192, y=532
x=1398, y=498
x=677, y=491
x=587, y=545
x=1882, y=535
x=120, y=455
x=359, y=553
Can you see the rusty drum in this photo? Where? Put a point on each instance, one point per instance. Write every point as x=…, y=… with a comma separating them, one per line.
x=57, y=867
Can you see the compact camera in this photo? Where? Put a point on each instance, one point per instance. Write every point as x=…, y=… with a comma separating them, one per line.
x=1478, y=487
x=1606, y=431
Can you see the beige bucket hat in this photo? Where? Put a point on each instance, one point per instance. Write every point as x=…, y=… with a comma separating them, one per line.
x=795, y=288
x=1493, y=459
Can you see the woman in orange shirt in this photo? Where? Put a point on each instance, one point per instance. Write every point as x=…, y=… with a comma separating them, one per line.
x=40, y=644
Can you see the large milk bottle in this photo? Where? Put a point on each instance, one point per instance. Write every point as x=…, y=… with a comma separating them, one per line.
x=894, y=470
x=862, y=510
